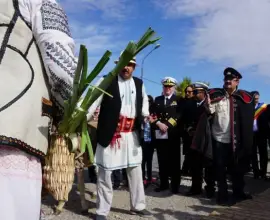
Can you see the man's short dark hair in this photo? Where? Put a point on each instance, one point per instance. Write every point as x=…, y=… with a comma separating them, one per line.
x=255, y=93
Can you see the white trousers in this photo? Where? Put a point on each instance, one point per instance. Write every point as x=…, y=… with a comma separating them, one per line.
x=20, y=185
x=105, y=190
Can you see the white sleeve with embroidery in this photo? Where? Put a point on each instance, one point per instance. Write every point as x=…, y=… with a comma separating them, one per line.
x=51, y=31
x=212, y=108
x=145, y=106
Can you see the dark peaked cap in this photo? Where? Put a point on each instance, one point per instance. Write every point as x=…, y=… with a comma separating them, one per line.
x=229, y=71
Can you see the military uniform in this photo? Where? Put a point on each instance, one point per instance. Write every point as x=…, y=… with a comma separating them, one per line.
x=168, y=149
x=232, y=130
x=197, y=157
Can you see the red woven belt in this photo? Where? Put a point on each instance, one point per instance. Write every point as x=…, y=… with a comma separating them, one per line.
x=125, y=125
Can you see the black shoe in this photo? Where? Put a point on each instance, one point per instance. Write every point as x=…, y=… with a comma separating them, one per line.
x=256, y=176
x=175, y=191
x=142, y=213
x=161, y=189
x=193, y=192
x=222, y=201
x=210, y=194
x=209, y=191
x=242, y=196
x=264, y=177
x=101, y=217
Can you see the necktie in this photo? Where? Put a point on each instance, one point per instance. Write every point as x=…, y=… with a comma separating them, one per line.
x=167, y=101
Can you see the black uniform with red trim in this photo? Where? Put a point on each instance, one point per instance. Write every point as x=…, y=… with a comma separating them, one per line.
x=235, y=155
x=241, y=116
x=168, y=150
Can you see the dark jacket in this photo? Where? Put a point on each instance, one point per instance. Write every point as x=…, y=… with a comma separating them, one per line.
x=168, y=114
x=202, y=139
x=188, y=109
x=242, y=107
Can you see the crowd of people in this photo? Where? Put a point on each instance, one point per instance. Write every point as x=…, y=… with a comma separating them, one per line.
x=221, y=129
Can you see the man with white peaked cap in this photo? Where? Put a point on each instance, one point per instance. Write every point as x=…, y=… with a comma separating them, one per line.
x=167, y=136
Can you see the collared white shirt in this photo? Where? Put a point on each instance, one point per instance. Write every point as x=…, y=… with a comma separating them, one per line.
x=199, y=103
x=221, y=122
x=167, y=97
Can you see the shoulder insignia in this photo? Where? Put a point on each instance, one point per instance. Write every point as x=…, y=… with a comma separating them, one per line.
x=245, y=96
x=174, y=103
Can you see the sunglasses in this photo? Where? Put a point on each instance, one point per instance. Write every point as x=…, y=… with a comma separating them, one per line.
x=197, y=91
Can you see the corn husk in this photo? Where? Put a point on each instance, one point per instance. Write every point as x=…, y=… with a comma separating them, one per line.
x=59, y=168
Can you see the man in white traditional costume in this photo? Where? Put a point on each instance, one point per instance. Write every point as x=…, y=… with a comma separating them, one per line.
x=118, y=147
x=28, y=27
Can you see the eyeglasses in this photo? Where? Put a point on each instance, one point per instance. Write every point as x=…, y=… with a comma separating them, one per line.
x=189, y=92
x=231, y=78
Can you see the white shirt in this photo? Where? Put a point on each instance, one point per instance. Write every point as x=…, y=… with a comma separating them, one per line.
x=167, y=97
x=50, y=30
x=126, y=152
x=221, y=123
x=199, y=103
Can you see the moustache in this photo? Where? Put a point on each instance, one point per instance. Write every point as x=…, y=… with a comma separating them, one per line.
x=228, y=83
x=124, y=70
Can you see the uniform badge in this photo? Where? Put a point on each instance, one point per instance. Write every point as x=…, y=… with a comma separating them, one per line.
x=173, y=103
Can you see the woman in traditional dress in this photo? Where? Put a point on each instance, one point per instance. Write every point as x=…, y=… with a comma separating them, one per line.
x=28, y=29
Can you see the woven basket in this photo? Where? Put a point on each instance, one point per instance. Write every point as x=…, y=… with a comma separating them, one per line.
x=59, y=168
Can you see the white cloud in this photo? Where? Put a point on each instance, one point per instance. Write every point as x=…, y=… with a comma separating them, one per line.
x=226, y=32
x=97, y=38
x=116, y=9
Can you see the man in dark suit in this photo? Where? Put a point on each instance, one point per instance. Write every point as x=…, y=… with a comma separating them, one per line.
x=167, y=136
x=261, y=132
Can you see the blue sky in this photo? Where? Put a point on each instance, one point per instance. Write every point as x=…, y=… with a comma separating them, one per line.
x=199, y=38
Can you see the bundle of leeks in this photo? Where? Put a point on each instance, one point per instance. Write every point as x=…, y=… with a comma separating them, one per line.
x=59, y=163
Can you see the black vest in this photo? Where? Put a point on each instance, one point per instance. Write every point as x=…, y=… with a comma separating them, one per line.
x=110, y=111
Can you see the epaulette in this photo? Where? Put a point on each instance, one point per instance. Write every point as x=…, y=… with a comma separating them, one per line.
x=244, y=95
x=216, y=94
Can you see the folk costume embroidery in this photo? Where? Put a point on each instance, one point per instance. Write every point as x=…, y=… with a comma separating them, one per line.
x=25, y=36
